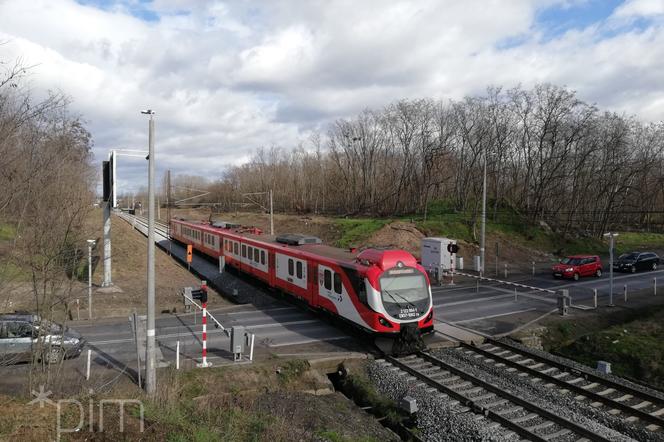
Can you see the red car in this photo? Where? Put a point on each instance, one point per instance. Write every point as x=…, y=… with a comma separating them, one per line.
x=576, y=266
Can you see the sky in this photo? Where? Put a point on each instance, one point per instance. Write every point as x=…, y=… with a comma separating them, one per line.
x=227, y=77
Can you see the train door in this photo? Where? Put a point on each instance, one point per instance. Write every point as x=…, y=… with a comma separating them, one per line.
x=312, y=284
x=272, y=268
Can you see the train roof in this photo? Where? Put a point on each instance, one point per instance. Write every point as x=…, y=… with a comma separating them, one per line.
x=383, y=258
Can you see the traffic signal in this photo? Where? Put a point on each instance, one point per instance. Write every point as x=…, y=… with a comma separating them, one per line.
x=452, y=248
x=107, y=178
x=200, y=294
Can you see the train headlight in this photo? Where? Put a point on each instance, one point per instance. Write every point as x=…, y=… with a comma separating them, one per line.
x=384, y=322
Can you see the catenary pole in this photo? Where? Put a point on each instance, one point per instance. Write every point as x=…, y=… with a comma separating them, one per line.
x=611, y=237
x=483, y=236
x=150, y=366
x=271, y=215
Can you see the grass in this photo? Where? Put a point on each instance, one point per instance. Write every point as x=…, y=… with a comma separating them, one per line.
x=359, y=388
x=355, y=230
x=7, y=232
x=635, y=349
x=444, y=220
x=628, y=241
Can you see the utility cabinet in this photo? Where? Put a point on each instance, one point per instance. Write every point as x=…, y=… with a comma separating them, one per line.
x=435, y=255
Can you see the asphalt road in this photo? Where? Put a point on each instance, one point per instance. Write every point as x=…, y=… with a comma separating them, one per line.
x=481, y=308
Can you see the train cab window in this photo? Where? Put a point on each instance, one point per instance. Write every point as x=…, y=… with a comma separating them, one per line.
x=290, y=267
x=263, y=257
x=337, y=283
x=327, y=279
x=298, y=268
x=244, y=251
x=256, y=253
x=235, y=248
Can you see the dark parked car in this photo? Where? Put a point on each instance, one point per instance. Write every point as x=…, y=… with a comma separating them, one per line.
x=634, y=261
x=576, y=266
x=24, y=337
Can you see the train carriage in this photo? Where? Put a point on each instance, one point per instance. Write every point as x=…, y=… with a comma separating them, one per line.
x=381, y=291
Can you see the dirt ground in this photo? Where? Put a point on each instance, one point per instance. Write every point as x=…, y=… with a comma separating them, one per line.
x=128, y=273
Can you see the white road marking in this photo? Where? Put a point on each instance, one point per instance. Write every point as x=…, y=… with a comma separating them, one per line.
x=492, y=316
x=470, y=301
x=308, y=341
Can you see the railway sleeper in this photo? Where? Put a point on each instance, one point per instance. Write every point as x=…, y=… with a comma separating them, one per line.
x=484, y=397
x=526, y=418
x=557, y=434
x=510, y=410
x=542, y=426
x=575, y=380
x=459, y=386
x=607, y=391
x=641, y=405
x=497, y=403
x=659, y=412
x=473, y=391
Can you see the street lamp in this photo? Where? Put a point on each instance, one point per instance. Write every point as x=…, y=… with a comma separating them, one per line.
x=611, y=236
x=91, y=244
x=150, y=364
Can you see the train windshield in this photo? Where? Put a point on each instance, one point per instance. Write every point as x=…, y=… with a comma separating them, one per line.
x=405, y=296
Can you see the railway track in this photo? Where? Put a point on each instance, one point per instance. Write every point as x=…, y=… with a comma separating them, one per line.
x=619, y=399
x=491, y=403
x=160, y=228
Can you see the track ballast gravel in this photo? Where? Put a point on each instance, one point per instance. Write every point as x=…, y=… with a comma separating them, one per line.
x=439, y=418
x=596, y=419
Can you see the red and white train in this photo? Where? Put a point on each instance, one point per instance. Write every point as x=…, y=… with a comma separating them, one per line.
x=381, y=291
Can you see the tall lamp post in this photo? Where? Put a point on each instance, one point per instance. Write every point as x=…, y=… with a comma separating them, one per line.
x=611, y=236
x=91, y=244
x=150, y=365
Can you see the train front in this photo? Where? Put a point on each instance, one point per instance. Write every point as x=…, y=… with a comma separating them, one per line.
x=399, y=293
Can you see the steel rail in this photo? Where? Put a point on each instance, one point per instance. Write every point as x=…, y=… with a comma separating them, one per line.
x=641, y=414
x=561, y=421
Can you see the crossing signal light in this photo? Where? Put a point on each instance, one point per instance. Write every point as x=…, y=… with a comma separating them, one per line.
x=200, y=295
x=452, y=248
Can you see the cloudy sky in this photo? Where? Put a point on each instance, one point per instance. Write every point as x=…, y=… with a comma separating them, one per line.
x=228, y=77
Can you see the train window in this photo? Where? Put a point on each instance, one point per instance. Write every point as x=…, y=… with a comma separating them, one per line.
x=290, y=267
x=244, y=251
x=328, y=279
x=263, y=257
x=250, y=252
x=299, y=270
x=235, y=247
x=337, y=283
x=256, y=252
x=357, y=282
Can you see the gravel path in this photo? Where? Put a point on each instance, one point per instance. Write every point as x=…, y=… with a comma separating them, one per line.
x=599, y=421
x=439, y=418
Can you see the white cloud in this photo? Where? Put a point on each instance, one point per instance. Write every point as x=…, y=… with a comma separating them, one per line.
x=642, y=8
x=228, y=77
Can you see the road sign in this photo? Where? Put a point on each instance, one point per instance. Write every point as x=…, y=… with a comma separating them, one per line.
x=190, y=253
